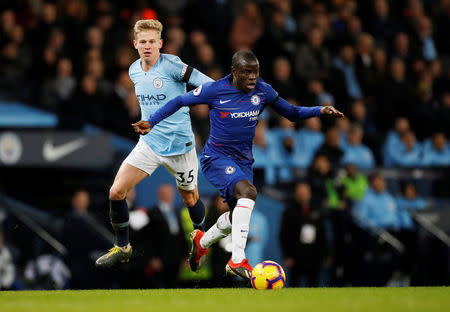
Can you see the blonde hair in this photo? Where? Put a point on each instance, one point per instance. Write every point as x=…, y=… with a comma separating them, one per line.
x=148, y=24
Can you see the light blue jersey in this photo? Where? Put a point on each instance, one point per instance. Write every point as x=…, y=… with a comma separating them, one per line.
x=164, y=81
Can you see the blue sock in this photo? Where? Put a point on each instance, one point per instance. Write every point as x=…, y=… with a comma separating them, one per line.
x=118, y=212
x=197, y=213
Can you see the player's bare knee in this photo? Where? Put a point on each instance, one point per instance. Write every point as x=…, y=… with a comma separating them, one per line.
x=189, y=198
x=251, y=192
x=189, y=201
x=246, y=190
x=116, y=194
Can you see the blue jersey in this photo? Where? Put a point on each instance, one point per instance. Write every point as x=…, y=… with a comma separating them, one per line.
x=233, y=114
x=154, y=88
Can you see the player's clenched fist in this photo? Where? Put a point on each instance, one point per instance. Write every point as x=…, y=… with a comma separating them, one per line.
x=331, y=111
x=142, y=127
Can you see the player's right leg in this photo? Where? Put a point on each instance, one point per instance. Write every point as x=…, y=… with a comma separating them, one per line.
x=138, y=165
x=202, y=241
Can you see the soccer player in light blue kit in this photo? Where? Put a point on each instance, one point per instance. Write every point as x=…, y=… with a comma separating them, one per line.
x=157, y=78
x=235, y=102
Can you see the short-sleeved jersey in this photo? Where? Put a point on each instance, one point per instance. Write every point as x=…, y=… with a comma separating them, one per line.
x=154, y=88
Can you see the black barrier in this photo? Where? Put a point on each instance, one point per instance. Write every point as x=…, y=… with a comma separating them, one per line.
x=55, y=150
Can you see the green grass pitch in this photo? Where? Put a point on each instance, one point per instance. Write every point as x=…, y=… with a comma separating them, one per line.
x=230, y=300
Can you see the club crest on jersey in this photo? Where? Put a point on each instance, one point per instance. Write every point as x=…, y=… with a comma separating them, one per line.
x=157, y=83
x=255, y=99
x=197, y=91
x=230, y=170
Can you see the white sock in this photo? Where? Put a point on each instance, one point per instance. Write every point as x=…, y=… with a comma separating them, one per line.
x=219, y=230
x=241, y=223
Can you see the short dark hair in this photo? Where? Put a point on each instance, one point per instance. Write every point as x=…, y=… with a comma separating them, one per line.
x=243, y=56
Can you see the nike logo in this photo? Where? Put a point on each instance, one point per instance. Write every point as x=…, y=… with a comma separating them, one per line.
x=222, y=102
x=206, y=156
x=53, y=153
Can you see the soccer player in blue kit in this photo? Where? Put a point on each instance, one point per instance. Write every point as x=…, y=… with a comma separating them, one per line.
x=157, y=78
x=235, y=102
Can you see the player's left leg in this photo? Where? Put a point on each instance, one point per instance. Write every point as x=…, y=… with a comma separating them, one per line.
x=184, y=168
x=195, y=207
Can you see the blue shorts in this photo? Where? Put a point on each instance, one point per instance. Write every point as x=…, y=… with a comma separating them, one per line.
x=224, y=172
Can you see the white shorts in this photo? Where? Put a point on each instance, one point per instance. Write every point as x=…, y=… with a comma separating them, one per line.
x=184, y=168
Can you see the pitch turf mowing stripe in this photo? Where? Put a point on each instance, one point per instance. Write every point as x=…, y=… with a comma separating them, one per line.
x=230, y=300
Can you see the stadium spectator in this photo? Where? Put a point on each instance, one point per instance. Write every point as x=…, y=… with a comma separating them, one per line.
x=442, y=114
x=441, y=21
x=355, y=151
x=282, y=80
x=378, y=74
x=402, y=49
x=354, y=184
x=319, y=96
x=437, y=152
x=80, y=235
x=281, y=148
x=247, y=27
x=7, y=267
x=344, y=13
x=167, y=245
x=88, y=104
x=425, y=33
x=264, y=156
x=320, y=177
x=58, y=90
x=343, y=126
x=393, y=139
x=377, y=208
x=363, y=61
x=377, y=211
x=407, y=203
x=206, y=57
x=331, y=147
x=350, y=188
x=345, y=63
x=396, y=98
x=13, y=69
x=307, y=141
x=134, y=275
x=303, y=233
x=381, y=24
x=312, y=60
x=359, y=115
x=409, y=153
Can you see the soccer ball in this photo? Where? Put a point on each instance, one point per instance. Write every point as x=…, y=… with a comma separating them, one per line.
x=268, y=275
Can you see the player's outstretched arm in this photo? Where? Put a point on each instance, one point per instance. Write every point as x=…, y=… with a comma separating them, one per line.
x=293, y=113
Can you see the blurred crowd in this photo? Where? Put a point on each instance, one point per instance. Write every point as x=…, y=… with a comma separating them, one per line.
x=374, y=60
x=384, y=63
